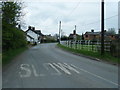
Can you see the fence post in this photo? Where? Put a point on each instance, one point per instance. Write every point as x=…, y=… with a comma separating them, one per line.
x=109, y=46
x=92, y=45
x=66, y=43
x=104, y=45
x=71, y=44
x=82, y=44
x=97, y=46
x=87, y=45
x=76, y=44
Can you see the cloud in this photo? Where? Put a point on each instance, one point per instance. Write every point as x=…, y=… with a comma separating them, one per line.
x=46, y=15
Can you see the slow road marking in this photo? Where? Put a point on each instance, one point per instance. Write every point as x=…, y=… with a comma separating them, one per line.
x=25, y=67
x=26, y=70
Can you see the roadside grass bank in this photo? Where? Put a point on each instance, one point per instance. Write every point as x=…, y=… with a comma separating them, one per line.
x=11, y=54
x=106, y=57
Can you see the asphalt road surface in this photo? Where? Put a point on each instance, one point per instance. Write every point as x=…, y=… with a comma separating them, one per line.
x=46, y=66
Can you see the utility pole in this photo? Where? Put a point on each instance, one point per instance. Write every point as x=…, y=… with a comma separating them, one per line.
x=119, y=18
x=59, y=31
x=102, y=27
x=75, y=33
x=75, y=27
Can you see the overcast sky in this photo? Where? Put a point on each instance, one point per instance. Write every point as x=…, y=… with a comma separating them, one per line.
x=45, y=15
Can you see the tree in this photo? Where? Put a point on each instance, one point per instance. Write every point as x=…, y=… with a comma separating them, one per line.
x=82, y=36
x=11, y=12
x=111, y=31
x=12, y=37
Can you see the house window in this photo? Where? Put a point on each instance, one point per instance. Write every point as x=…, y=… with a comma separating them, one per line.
x=86, y=36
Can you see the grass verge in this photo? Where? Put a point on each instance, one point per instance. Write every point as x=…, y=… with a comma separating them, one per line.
x=11, y=54
x=107, y=57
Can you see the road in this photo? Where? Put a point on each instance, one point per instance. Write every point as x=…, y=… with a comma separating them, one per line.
x=46, y=66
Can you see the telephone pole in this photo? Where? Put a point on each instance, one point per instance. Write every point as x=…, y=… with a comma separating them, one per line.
x=75, y=33
x=59, y=31
x=75, y=27
x=102, y=27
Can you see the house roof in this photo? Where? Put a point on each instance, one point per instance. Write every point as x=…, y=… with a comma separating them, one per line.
x=38, y=32
x=35, y=31
x=98, y=33
x=93, y=33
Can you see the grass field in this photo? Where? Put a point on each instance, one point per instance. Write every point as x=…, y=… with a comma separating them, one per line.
x=9, y=55
x=106, y=56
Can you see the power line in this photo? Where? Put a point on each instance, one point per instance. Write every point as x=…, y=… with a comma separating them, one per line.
x=73, y=10
x=111, y=17
x=99, y=20
x=68, y=15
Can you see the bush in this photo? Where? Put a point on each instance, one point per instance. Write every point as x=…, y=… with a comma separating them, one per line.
x=12, y=38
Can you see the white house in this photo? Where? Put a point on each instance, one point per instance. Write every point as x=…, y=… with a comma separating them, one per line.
x=30, y=39
x=33, y=35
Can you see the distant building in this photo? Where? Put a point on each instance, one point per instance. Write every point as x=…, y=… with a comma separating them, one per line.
x=47, y=38
x=74, y=36
x=34, y=35
x=56, y=37
x=92, y=35
x=97, y=35
x=109, y=36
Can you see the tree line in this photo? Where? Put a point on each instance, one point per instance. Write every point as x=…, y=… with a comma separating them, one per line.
x=12, y=36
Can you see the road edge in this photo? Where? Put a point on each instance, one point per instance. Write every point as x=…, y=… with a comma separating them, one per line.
x=90, y=57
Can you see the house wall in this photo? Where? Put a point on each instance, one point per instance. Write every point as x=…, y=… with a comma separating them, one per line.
x=33, y=34
x=110, y=37
x=91, y=37
x=30, y=40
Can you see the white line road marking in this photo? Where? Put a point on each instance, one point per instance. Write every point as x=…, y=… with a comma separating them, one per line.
x=26, y=68
x=70, y=68
x=95, y=75
x=58, y=72
x=62, y=68
x=34, y=71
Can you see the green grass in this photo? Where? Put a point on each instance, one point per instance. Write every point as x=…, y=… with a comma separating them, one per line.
x=106, y=56
x=11, y=54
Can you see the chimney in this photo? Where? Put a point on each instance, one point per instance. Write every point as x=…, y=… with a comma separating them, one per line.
x=29, y=27
x=33, y=28
x=105, y=30
x=74, y=32
x=92, y=30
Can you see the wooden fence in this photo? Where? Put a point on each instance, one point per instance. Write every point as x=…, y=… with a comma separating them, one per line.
x=88, y=45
